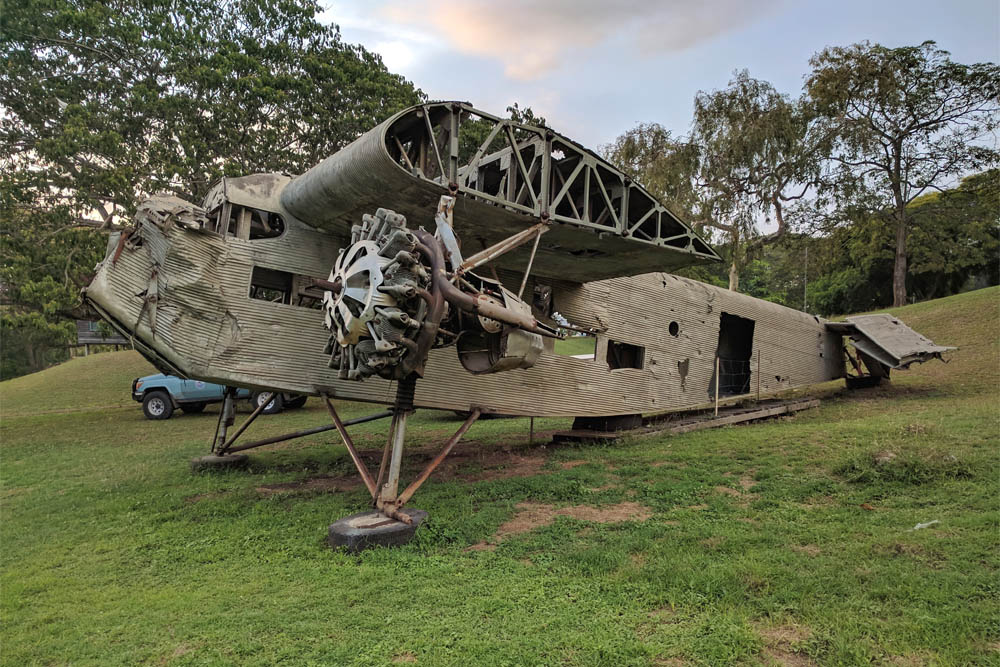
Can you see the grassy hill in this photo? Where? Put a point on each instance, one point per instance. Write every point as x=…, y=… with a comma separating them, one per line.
x=786, y=542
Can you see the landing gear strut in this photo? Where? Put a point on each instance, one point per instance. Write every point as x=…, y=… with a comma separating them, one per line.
x=389, y=523
x=220, y=459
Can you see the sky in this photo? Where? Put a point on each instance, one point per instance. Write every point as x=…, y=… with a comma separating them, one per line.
x=596, y=68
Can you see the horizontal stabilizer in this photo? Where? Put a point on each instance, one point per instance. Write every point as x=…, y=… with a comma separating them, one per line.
x=887, y=339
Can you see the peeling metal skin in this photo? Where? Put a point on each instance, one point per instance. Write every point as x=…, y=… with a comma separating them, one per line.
x=226, y=291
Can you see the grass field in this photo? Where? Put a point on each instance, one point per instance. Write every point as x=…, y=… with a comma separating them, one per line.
x=786, y=542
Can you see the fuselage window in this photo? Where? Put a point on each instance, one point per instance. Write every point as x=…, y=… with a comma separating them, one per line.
x=283, y=287
x=249, y=223
x=271, y=285
x=624, y=355
x=265, y=225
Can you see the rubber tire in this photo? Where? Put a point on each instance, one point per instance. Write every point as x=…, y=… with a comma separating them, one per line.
x=294, y=403
x=157, y=405
x=274, y=407
x=193, y=408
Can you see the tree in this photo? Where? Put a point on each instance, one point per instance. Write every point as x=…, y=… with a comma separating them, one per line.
x=105, y=103
x=955, y=237
x=665, y=165
x=906, y=120
x=757, y=150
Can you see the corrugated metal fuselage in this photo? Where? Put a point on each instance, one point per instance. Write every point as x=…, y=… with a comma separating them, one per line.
x=207, y=326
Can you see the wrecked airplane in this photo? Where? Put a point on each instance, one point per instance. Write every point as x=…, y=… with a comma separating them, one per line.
x=420, y=269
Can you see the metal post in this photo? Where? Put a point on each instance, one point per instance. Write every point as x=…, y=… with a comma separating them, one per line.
x=422, y=477
x=358, y=463
x=718, y=379
x=305, y=432
x=805, y=283
x=386, y=451
x=226, y=418
x=390, y=489
x=531, y=260
x=758, y=376
x=531, y=431
x=261, y=405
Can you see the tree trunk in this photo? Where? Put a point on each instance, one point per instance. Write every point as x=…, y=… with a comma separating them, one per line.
x=33, y=365
x=899, y=268
x=779, y=216
x=734, y=278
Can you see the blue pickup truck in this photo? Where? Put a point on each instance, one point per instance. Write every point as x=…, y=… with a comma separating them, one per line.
x=160, y=394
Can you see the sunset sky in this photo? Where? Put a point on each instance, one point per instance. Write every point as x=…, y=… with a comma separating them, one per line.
x=596, y=68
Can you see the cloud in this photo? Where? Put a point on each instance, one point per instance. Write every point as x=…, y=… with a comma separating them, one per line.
x=534, y=37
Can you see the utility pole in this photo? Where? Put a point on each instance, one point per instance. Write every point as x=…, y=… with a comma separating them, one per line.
x=805, y=283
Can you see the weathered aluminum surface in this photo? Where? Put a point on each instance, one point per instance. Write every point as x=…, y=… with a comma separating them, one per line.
x=887, y=339
x=209, y=328
x=600, y=215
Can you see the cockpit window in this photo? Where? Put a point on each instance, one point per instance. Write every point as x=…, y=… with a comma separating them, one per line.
x=214, y=223
x=244, y=222
x=265, y=225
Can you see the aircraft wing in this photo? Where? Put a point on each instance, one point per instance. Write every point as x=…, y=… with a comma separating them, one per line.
x=507, y=177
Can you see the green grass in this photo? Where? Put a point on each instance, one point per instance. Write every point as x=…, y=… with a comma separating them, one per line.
x=575, y=345
x=789, y=541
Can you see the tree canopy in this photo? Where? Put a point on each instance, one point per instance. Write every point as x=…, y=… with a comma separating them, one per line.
x=104, y=103
x=905, y=121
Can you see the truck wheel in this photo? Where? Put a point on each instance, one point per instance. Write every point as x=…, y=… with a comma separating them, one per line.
x=274, y=406
x=292, y=401
x=157, y=405
x=193, y=408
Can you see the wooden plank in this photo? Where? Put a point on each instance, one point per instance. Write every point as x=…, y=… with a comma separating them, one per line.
x=734, y=416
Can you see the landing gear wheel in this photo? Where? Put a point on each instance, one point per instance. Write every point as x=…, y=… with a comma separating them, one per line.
x=274, y=406
x=193, y=408
x=157, y=405
x=372, y=529
x=213, y=462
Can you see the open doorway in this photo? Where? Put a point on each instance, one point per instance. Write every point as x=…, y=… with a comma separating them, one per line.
x=734, y=351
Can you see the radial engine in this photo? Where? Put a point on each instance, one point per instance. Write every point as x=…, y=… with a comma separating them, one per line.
x=395, y=293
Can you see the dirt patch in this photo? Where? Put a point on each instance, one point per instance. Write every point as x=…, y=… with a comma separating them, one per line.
x=637, y=559
x=529, y=516
x=313, y=484
x=663, y=613
x=698, y=507
x=883, y=458
x=747, y=482
x=818, y=501
x=781, y=644
x=603, y=487
x=489, y=466
x=406, y=657
x=567, y=465
x=807, y=549
x=713, y=543
x=727, y=491
x=178, y=652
